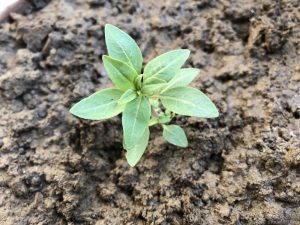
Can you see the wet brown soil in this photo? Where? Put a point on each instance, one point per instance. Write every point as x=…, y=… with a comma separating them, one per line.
x=242, y=168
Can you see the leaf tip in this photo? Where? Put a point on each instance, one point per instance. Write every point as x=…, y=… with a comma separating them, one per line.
x=187, y=52
x=131, y=162
x=185, y=145
x=108, y=26
x=72, y=110
x=215, y=113
x=197, y=71
x=104, y=57
x=75, y=110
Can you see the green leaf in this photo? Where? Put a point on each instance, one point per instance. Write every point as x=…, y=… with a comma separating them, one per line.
x=175, y=135
x=154, y=103
x=154, y=80
x=128, y=96
x=189, y=101
x=153, y=121
x=134, y=155
x=139, y=81
x=151, y=89
x=135, y=119
x=100, y=105
x=164, y=119
x=183, y=78
x=122, y=47
x=153, y=85
x=120, y=73
x=166, y=65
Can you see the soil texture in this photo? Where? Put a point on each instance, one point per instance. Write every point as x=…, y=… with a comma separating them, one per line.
x=241, y=168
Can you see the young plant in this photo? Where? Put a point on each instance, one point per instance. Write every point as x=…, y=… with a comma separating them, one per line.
x=145, y=98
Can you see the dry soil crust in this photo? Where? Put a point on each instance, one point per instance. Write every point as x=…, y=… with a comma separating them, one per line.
x=242, y=168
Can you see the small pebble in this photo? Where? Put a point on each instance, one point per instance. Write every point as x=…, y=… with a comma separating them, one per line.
x=42, y=112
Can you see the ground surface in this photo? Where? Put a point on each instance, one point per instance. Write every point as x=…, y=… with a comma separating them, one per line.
x=242, y=168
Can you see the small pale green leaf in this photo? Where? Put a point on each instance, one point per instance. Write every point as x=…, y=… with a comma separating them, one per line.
x=183, y=78
x=153, y=86
x=153, y=121
x=151, y=89
x=154, y=103
x=126, y=70
x=189, y=101
x=166, y=65
x=122, y=47
x=164, y=119
x=135, y=119
x=128, y=96
x=134, y=155
x=139, y=81
x=153, y=80
x=100, y=105
x=120, y=73
x=175, y=135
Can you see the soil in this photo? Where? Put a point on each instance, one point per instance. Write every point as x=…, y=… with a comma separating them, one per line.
x=242, y=168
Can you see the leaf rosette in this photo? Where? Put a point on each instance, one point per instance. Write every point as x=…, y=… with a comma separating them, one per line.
x=145, y=99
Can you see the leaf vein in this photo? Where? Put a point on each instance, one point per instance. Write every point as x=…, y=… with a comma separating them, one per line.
x=124, y=52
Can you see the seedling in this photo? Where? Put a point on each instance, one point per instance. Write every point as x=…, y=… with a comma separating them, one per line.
x=146, y=98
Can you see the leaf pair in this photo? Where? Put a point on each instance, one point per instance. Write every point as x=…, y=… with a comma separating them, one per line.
x=140, y=97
